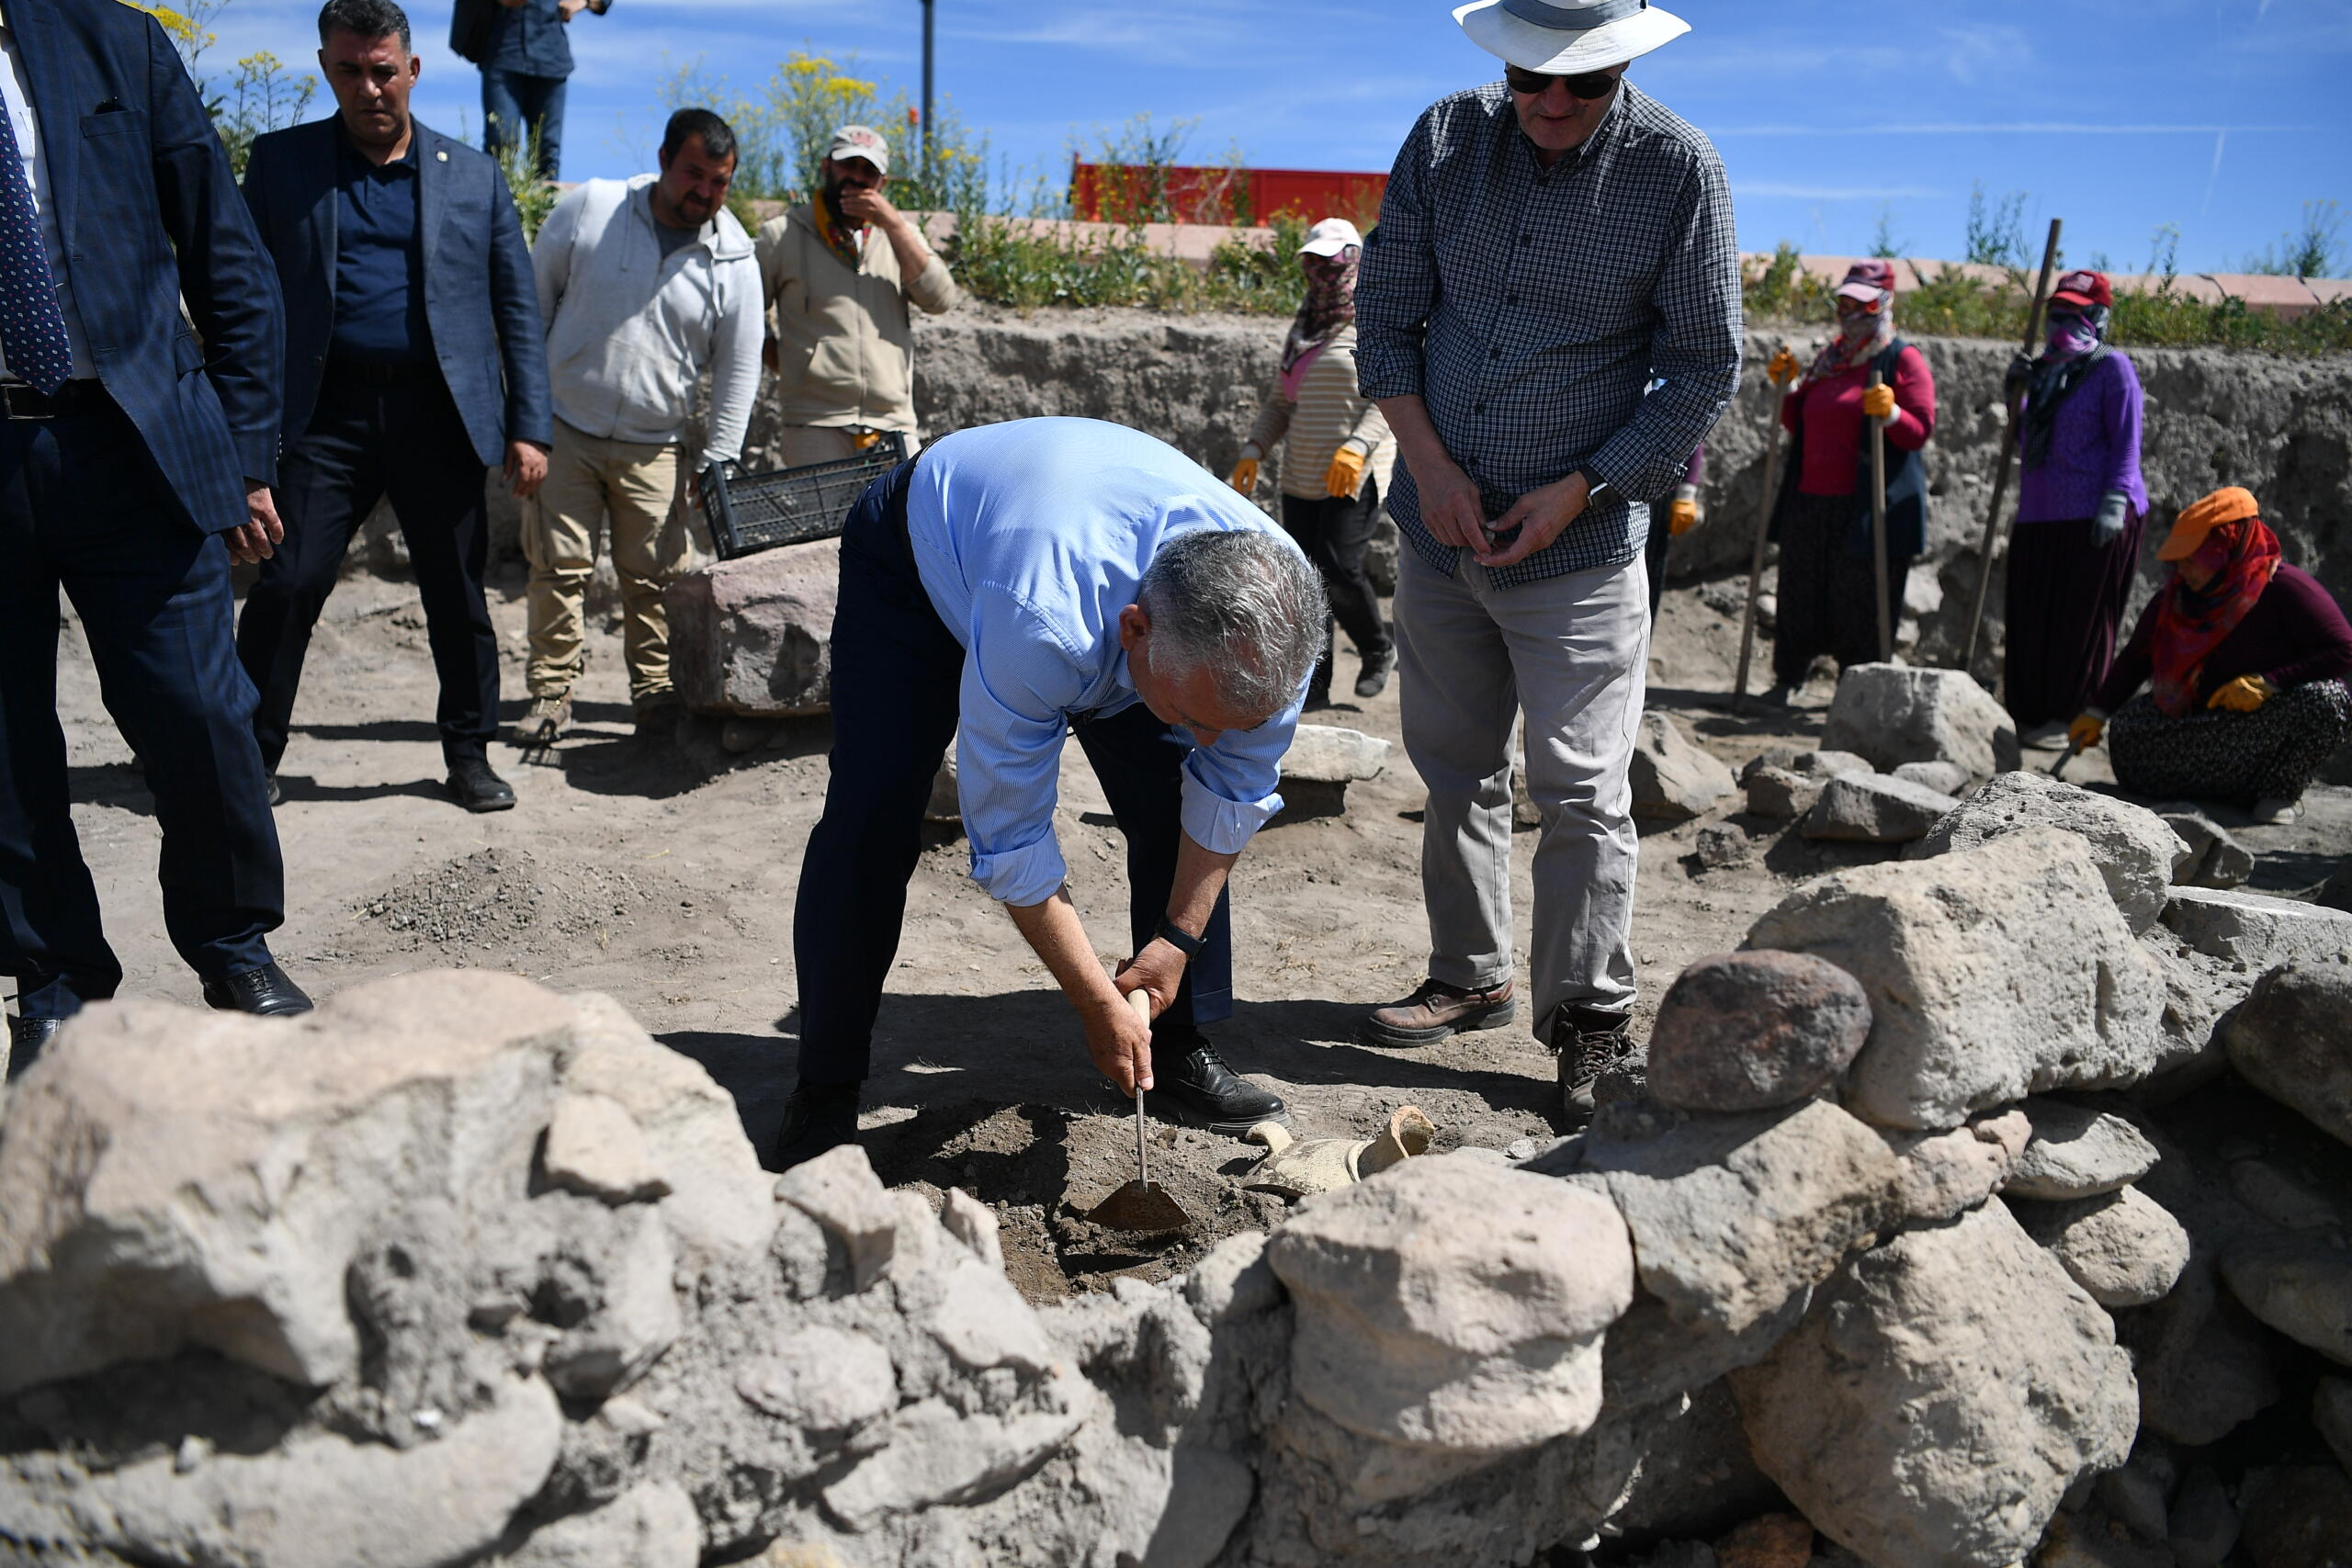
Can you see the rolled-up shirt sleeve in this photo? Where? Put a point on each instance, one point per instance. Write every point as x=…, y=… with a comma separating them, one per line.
x=1229, y=788
x=1018, y=682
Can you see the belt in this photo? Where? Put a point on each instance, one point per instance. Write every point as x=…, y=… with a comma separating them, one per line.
x=23, y=401
x=381, y=372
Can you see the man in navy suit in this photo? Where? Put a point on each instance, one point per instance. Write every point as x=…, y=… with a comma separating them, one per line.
x=414, y=360
x=128, y=442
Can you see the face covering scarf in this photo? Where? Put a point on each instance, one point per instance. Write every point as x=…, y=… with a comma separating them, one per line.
x=844, y=238
x=1862, y=336
x=1331, y=304
x=2190, y=623
x=2076, y=342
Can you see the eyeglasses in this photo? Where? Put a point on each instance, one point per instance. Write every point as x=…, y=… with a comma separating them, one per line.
x=1591, y=86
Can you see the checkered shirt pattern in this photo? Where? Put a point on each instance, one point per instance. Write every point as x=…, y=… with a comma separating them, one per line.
x=1531, y=309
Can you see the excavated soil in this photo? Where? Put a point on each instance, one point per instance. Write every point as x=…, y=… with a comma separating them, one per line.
x=664, y=870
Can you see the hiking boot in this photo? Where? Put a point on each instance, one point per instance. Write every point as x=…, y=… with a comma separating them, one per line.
x=1598, y=1061
x=1373, y=678
x=476, y=787
x=1207, y=1093
x=547, y=721
x=818, y=1118
x=657, y=716
x=1438, y=1009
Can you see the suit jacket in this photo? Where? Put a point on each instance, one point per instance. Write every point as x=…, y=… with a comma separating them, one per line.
x=481, y=302
x=147, y=209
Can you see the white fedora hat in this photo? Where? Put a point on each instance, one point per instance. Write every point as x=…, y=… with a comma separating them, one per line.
x=1565, y=38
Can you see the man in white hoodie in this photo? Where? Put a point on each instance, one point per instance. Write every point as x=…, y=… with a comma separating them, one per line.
x=644, y=284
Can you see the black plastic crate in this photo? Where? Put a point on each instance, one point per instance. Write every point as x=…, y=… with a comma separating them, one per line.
x=748, y=512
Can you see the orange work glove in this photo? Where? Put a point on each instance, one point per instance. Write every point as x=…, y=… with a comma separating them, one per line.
x=1878, y=403
x=1682, y=513
x=2086, y=731
x=1346, y=472
x=1244, y=477
x=2243, y=695
x=1782, y=368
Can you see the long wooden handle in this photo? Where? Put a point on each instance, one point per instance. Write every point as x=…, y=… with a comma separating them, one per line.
x=1756, y=556
x=1878, y=529
x=2008, y=451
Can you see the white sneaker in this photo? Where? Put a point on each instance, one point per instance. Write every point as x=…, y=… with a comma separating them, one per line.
x=2049, y=736
x=2273, y=813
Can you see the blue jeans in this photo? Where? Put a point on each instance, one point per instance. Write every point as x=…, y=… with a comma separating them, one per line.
x=897, y=674
x=513, y=105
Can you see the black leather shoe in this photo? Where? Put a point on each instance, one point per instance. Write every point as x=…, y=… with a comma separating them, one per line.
x=818, y=1118
x=1186, y=1068
x=26, y=1038
x=276, y=791
x=264, y=992
x=477, y=788
x=1373, y=678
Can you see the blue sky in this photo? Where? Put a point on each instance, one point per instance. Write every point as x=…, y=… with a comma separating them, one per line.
x=2222, y=117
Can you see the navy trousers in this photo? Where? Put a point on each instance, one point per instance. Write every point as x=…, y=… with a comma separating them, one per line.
x=896, y=672
x=366, y=442
x=84, y=507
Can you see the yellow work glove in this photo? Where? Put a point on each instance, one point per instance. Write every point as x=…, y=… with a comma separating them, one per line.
x=1346, y=471
x=2243, y=695
x=2086, y=731
x=1244, y=477
x=1682, y=513
x=1878, y=403
x=1782, y=368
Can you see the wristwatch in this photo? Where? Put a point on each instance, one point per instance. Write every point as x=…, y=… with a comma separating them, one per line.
x=1593, y=484
x=1178, y=938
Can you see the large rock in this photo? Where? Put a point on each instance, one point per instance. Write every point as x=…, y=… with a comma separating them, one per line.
x=2300, y=1284
x=2257, y=931
x=752, y=637
x=2121, y=1247
x=1750, y=1031
x=1894, y=713
x=1876, y=809
x=1945, y=1174
x=2135, y=850
x=1779, y=796
x=1941, y=1396
x=1944, y=778
x=1732, y=1216
x=2215, y=859
x=1323, y=760
x=2078, y=1151
x=2298, y=1517
x=2291, y=1038
x=1448, y=1303
x=1991, y=973
x=1673, y=780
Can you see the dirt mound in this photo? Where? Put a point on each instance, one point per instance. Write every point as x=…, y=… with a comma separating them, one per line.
x=1040, y=1168
x=500, y=904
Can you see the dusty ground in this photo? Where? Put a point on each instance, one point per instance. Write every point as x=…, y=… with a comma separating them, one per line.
x=665, y=875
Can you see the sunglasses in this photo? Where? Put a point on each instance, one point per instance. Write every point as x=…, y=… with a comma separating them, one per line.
x=1591, y=86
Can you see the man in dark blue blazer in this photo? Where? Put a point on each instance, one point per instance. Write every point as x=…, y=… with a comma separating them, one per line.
x=132, y=450
x=414, y=360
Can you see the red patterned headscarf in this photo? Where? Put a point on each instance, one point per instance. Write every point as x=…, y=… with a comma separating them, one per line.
x=2243, y=556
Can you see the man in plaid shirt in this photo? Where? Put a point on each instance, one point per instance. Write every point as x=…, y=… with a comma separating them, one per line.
x=1551, y=247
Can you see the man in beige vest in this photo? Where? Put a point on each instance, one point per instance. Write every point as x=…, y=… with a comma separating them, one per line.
x=839, y=273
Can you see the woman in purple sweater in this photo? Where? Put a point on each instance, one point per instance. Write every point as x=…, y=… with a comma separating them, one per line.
x=2245, y=658
x=2080, y=507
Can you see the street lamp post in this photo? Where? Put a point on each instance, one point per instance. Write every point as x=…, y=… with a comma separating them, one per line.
x=926, y=87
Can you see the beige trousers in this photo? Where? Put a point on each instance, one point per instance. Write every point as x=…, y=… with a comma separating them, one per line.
x=799, y=444
x=591, y=480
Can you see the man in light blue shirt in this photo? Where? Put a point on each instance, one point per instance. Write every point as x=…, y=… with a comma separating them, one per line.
x=1014, y=584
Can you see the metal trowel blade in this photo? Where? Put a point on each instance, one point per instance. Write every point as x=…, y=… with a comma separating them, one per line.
x=1140, y=1206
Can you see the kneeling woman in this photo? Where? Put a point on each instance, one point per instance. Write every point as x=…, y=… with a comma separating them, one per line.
x=2245, y=658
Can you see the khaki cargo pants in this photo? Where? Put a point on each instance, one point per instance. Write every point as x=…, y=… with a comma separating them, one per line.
x=591, y=480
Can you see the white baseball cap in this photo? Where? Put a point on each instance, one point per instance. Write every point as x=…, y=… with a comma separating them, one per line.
x=1567, y=38
x=861, y=142
x=1330, y=237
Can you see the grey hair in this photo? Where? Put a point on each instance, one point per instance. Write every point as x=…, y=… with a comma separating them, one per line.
x=368, y=19
x=1243, y=602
